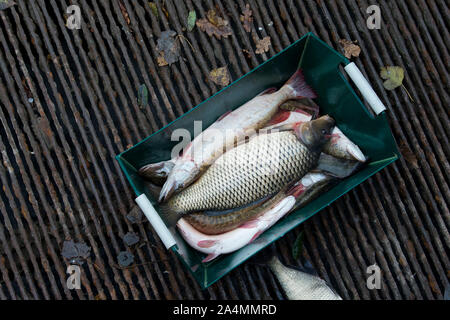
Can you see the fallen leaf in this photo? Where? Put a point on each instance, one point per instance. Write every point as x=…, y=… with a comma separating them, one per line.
x=192, y=17
x=350, y=48
x=124, y=12
x=220, y=76
x=247, y=53
x=75, y=251
x=154, y=9
x=214, y=25
x=246, y=18
x=263, y=45
x=125, y=258
x=297, y=249
x=214, y=19
x=168, y=47
x=135, y=215
x=393, y=75
x=161, y=61
x=143, y=96
x=130, y=238
x=5, y=4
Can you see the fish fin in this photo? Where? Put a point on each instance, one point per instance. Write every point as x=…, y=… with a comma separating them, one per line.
x=249, y=224
x=257, y=234
x=268, y=91
x=303, y=105
x=170, y=186
x=296, y=190
x=336, y=167
x=279, y=117
x=248, y=206
x=310, y=107
x=299, y=87
x=285, y=127
x=206, y=243
x=305, y=267
x=170, y=216
x=210, y=257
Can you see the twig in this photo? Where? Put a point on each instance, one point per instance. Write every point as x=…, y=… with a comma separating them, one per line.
x=407, y=92
x=183, y=37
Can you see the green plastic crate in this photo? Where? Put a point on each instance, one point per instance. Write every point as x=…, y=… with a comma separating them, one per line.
x=320, y=64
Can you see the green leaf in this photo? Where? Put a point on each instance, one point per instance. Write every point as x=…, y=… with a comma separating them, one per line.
x=154, y=9
x=192, y=17
x=393, y=75
x=297, y=249
x=143, y=96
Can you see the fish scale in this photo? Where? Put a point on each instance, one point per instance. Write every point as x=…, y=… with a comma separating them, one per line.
x=247, y=173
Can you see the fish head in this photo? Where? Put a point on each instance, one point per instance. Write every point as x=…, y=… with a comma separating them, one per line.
x=314, y=134
x=181, y=176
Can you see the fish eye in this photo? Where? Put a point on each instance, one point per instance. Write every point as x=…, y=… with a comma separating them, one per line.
x=324, y=131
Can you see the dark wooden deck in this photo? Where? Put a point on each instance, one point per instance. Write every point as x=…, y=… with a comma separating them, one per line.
x=68, y=105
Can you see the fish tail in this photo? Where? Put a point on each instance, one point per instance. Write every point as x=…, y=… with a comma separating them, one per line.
x=169, y=215
x=298, y=87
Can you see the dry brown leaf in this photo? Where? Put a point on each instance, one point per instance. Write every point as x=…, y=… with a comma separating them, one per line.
x=124, y=12
x=161, y=61
x=247, y=53
x=246, y=18
x=263, y=45
x=214, y=25
x=350, y=48
x=168, y=47
x=220, y=76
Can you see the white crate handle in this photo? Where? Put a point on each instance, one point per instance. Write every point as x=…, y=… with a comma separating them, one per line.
x=365, y=88
x=158, y=224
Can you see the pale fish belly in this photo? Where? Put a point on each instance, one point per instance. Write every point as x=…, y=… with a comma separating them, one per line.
x=247, y=173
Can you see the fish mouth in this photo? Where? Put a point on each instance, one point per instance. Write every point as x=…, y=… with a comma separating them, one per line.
x=153, y=170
